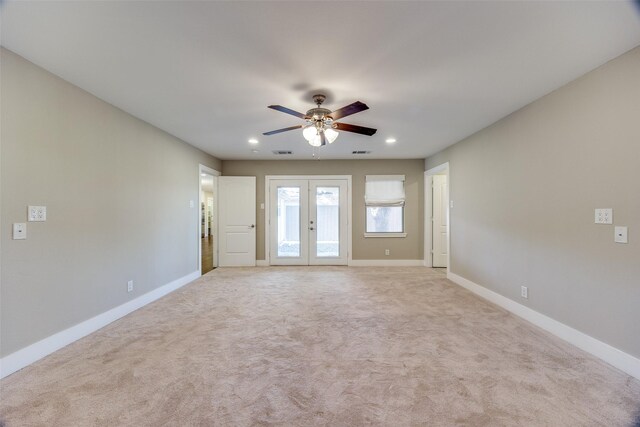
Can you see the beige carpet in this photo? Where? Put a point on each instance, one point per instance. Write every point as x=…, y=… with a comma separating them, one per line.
x=336, y=346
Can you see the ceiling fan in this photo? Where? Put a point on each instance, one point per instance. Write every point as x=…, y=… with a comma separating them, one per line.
x=321, y=127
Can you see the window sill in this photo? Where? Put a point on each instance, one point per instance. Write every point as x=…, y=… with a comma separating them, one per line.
x=385, y=234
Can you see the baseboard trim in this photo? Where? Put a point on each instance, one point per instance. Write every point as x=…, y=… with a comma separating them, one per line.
x=613, y=356
x=386, y=263
x=369, y=263
x=28, y=355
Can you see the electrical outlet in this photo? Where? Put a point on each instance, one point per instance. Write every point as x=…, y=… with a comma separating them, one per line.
x=524, y=292
x=387, y=252
x=621, y=234
x=130, y=286
x=19, y=231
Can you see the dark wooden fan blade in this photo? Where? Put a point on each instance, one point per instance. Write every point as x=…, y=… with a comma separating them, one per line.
x=287, y=110
x=323, y=139
x=355, y=129
x=350, y=109
x=282, y=130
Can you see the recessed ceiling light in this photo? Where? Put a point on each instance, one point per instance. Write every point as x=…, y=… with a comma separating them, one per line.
x=253, y=141
x=203, y=174
x=390, y=140
x=254, y=151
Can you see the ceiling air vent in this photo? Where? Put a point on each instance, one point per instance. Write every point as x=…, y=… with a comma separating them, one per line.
x=282, y=152
x=361, y=152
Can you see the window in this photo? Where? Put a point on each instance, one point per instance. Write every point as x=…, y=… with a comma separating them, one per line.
x=384, y=200
x=385, y=219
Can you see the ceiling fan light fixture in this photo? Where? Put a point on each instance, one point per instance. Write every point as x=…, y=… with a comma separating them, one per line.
x=310, y=132
x=315, y=141
x=331, y=135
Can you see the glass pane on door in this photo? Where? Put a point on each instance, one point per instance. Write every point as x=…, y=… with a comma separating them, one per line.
x=288, y=221
x=328, y=221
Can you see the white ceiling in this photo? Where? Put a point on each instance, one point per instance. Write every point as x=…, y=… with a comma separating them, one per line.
x=432, y=73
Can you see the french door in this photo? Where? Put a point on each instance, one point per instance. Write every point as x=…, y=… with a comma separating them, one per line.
x=308, y=222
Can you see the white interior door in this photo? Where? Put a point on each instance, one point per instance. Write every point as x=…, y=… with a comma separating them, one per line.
x=237, y=221
x=308, y=222
x=328, y=222
x=440, y=221
x=288, y=218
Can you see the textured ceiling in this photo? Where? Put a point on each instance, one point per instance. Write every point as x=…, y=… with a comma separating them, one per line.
x=432, y=73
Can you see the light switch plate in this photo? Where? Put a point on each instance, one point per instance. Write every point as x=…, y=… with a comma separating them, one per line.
x=604, y=216
x=19, y=231
x=37, y=213
x=621, y=235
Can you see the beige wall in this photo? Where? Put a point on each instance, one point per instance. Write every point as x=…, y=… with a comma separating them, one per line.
x=524, y=193
x=117, y=192
x=410, y=247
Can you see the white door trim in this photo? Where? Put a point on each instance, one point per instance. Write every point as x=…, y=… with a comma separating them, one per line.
x=267, y=214
x=428, y=206
x=206, y=169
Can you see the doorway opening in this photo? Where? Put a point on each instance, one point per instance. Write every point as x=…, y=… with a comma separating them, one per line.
x=437, y=219
x=208, y=219
x=308, y=220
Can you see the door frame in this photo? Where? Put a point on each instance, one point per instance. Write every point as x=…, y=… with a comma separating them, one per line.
x=428, y=212
x=214, y=226
x=267, y=211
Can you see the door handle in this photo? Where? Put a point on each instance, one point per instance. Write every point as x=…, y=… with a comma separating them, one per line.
x=252, y=226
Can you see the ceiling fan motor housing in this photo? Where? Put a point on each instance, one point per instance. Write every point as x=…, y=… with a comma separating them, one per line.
x=318, y=113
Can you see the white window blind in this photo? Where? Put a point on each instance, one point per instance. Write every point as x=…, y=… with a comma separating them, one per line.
x=384, y=190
